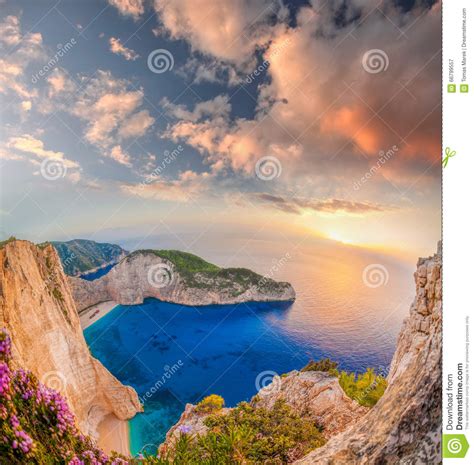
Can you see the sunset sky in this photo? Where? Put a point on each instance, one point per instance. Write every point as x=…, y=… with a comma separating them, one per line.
x=179, y=151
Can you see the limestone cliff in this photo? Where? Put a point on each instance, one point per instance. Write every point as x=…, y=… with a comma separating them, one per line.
x=177, y=277
x=404, y=427
x=37, y=309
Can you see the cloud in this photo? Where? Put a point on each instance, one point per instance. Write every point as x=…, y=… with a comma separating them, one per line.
x=30, y=146
x=59, y=82
x=10, y=31
x=136, y=125
x=120, y=156
x=188, y=185
x=133, y=8
x=111, y=110
x=215, y=108
x=319, y=112
x=18, y=50
x=233, y=28
x=119, y=49
x=299, y=205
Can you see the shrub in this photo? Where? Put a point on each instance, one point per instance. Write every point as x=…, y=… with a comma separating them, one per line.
x=324, y=364
x=366, y=388
x=210, y=404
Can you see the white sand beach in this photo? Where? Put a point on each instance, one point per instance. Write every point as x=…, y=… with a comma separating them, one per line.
x=91, y=314
x=114, y=435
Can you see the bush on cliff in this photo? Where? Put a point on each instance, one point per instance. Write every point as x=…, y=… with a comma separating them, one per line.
x=365, y=388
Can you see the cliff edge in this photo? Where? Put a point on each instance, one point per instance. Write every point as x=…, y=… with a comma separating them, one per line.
x=37, y=309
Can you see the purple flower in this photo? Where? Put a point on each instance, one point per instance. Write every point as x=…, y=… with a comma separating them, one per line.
x=185, y=429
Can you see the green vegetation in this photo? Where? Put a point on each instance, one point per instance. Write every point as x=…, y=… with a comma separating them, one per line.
x=186, y=262
x=200, y=274
x=365, y=388
x=80, y=255
x=247, y=435
x=210, y=404
x=7, y=241
x=325, y=364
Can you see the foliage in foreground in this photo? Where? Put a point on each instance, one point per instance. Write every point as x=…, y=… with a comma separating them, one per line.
x=250, y=435
x=365, y=388
x=36, y=424
x=38, y=428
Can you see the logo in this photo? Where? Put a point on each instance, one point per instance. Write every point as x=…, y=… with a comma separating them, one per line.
x=375, y=275
x=455, y=446
x=160, y=60
x=268, y=168
x=267, y=382
x=375, y=61
x=52, y=169
x=160, y=275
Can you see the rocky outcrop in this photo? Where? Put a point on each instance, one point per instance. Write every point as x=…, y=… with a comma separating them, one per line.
x=145, y=274
x=316, y=395
x=37, y=308
x=404, y=427
x=313, y=394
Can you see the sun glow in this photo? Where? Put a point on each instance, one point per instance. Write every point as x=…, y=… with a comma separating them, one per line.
x=337, y=236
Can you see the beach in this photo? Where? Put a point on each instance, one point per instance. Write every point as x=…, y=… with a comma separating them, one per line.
x=113, y=435
x=93, y=313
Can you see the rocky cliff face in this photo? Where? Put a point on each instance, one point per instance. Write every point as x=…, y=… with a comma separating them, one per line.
x=37, y=309
x=145, y=274
x=404, y=427
x=312, y=394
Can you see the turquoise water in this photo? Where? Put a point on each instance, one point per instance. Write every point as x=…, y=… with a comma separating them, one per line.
x=188, y=353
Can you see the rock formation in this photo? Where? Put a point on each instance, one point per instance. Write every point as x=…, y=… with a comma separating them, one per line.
x=38, y=311
x=145, y=274
x=312, y=394
x=404, y=427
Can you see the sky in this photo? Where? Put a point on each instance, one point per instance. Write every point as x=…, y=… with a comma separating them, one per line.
x=192, y=117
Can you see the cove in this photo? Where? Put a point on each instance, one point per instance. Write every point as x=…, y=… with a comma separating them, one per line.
x=173, y=354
